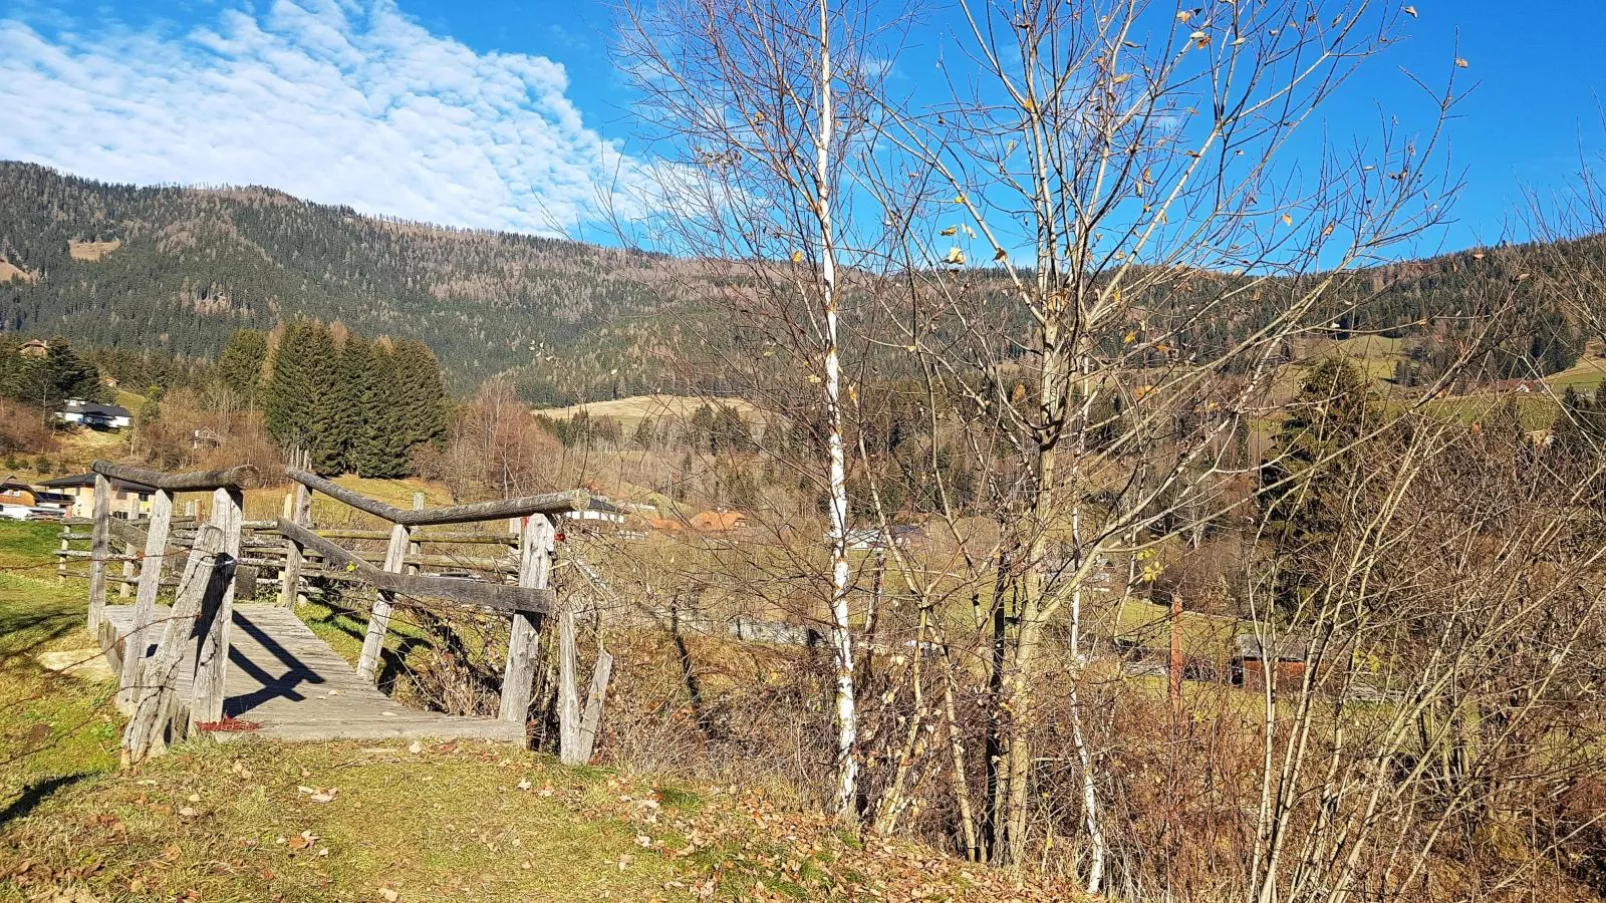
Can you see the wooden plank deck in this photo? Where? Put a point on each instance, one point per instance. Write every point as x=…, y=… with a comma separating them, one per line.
x=283, y=677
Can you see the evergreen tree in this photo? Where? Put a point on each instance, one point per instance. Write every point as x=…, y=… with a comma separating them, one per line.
x=240, y=365
x=59, y=375
x=381, y=446
x=1319, y=453
x=421, y=393
x=353, y=403
x=302, y=396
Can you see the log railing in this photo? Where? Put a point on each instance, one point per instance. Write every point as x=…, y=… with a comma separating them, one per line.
x=203, y=606
x=527, y=604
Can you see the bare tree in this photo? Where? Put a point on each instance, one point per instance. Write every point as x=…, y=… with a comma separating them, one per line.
x=752, y=110
x=1178, y=239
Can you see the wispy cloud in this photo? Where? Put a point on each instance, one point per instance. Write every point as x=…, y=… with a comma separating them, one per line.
x=338, y=102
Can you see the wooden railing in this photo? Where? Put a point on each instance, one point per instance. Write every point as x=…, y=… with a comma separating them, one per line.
x=202, y=608
x=226, y=551
x=527, y=603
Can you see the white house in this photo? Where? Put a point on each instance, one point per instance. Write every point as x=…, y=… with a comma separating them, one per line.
x=599, y=510
x=95, y=416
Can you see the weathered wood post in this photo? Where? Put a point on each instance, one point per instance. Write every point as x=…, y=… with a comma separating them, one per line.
x=150, y=577
x=591, y=723
x=294, y=561
x=61, y=558
x=208, y=574
x=568, y=688
x=216, y=616
x=524, y=639
x=415, y=548
x=130, y=570
x=99, y=549
x=373, y=644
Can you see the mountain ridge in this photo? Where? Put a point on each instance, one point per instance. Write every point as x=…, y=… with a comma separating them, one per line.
x=194, y=264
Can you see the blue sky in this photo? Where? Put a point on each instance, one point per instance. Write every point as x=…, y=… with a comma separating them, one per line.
x=510, y=113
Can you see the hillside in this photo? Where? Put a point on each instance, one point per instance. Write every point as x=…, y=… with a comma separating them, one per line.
x=181, y=268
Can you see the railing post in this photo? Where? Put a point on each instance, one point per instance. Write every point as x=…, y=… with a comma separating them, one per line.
x=130, y=570
x=212, y=647
x=207, y=577
x=99, y=548
x=61, y=557
x=373, y=644
x=524, y=639
x=568, y=689
x=294, y=560
x=415, y=548
x=150, y=577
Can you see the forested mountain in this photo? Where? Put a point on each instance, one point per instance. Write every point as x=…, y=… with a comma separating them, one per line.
x=180, y=269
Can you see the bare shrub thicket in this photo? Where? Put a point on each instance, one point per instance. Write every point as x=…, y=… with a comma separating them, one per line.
x=1101, y=418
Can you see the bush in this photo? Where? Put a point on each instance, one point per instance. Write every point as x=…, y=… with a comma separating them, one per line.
x=42, y=465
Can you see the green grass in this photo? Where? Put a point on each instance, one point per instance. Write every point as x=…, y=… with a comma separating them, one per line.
x=28, y=544
x=1586, y=375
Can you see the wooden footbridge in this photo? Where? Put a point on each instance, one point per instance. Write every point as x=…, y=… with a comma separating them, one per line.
x=202, y=664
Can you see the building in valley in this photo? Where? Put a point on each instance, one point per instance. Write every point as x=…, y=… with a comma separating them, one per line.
x=129, y=500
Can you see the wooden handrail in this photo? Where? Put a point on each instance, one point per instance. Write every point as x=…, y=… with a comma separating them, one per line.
x=466, y=592
x=547, y=503
x=194, y=481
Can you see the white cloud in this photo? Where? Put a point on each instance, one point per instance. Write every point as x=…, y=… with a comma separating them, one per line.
x=333, y=101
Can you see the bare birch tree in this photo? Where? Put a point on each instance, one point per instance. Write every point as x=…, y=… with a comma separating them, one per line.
x=749, y=104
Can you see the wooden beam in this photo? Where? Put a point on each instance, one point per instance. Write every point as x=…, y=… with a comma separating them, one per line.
x=241, y=477
x=524, y=637
x=464, y=592
x=99, y=549
x=135, y=538
x=549, y=503
x=418, y=536
x=216, y=616
x=150, y=577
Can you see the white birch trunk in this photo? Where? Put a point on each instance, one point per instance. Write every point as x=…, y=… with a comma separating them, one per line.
x=841, y=639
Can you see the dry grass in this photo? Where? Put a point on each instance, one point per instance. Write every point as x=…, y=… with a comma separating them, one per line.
x=631, y=411
x=9, y=272
x=92, y=250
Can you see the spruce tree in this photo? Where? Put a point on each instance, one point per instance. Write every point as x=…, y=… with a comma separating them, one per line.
x=353, y=401
x=421, y=393
x=382, y=446
x=239, y=367
x=302, y=397
x=1320, y=453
